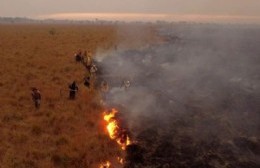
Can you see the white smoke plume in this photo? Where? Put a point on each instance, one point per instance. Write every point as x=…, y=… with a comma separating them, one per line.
x=196, y=93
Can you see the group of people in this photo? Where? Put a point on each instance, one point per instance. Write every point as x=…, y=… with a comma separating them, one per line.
x=87, y=61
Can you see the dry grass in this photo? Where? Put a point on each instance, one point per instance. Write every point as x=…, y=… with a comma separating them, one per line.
x=62, y=133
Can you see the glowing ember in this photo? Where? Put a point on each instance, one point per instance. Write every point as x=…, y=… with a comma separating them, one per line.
x=120, y=160
x=107, y=164
x=115, y=131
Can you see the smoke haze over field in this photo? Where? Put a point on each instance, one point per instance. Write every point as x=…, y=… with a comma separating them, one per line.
x=194, y=99
x=245, y=11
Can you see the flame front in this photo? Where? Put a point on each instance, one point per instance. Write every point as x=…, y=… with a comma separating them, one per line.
x=112, y=128
x=116, y=132
x=109, y=116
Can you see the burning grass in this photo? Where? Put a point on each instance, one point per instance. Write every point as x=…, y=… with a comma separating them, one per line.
x=106, y=164
x=193, y=102
x=115, y=130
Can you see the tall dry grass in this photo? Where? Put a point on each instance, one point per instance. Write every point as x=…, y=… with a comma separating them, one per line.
x=62, y=133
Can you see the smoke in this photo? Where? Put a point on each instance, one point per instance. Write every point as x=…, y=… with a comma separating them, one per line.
x=193, y=99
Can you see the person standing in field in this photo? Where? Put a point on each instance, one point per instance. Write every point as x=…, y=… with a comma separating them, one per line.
x=93, y=70
x=73, y=88
x=36, y=97
x=126, y=84
x=88, y=61
x=87, y=81
x=78, y=56
x=85, y=56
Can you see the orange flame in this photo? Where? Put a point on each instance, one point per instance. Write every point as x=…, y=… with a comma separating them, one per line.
x=106, y=164
x=114, y=130
x=120, y=160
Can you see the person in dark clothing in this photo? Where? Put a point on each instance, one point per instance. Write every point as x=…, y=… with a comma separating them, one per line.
x=36, y=97
x=78, y=56
x=73, y=88
x=87, y=81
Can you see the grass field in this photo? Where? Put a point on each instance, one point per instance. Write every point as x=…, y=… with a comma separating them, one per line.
x=62, y=133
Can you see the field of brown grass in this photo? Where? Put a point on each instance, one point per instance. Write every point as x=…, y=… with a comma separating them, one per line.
x=62, y=133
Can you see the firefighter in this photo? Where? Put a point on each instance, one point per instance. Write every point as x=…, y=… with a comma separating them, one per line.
x=88, y=58
x=78, y=56
x=84, y=55
x=93, y=70
x=73, y=88
x=36, y=97
x=126, y=84
x=104, y=86
x=87, y=61
x=87, y=81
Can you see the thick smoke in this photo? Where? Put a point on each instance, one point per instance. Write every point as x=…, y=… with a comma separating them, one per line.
x=193, y=99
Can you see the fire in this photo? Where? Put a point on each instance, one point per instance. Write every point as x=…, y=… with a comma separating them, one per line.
x=120, y=160
x=107, y=164
x=110, y=115
x=112, y=128
x=115, y=131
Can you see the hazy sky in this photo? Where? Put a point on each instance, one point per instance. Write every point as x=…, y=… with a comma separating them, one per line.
x=50, y=8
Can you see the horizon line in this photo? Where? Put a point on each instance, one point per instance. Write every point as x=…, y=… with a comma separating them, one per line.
x=152, y=17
